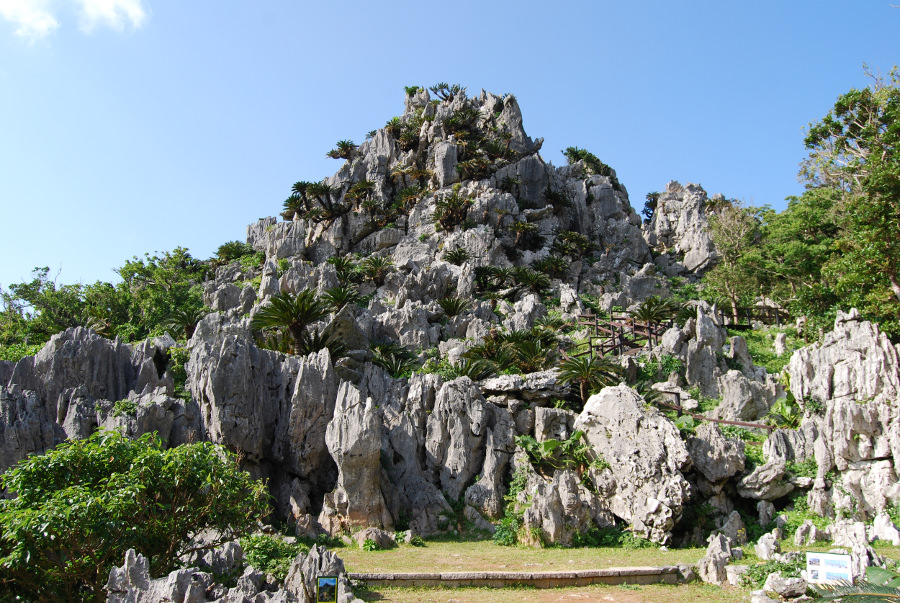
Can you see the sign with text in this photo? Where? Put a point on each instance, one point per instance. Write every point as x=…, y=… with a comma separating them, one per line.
x=827, y=567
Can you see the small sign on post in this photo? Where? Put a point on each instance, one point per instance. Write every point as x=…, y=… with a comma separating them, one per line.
x=326, y=589
x=827, y=567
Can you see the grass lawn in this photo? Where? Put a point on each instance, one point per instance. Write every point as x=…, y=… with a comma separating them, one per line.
x=484, y=555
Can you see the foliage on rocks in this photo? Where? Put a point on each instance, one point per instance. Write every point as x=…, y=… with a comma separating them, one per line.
x=82, y=505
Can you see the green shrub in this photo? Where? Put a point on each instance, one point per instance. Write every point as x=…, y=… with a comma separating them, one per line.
x=756, y=576
x=370, y=545
x=507, y=530
x=253, y=260
x=613, y=536
x=16, y=351
x=271, y=554
x=124, y=407
x=80, y=506
x=417, y=541
x=178, y=357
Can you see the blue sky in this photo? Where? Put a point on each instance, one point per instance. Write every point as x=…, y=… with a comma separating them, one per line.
x=132, y=126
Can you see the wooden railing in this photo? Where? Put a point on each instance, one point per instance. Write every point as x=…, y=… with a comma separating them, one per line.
x=619, y=333
x=769, y=315
x=680, y=411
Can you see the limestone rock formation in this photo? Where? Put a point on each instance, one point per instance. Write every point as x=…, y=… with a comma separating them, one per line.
x=646, y=456
x=679, y=230
x=353, y=439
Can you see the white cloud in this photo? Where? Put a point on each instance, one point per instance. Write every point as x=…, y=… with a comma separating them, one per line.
x=35, y=19
x=113, y=13
x=32, y=17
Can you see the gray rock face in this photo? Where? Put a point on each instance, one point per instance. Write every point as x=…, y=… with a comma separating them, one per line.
x=562, y=508
x=354, y=440
x=455, y=437
x=646, y=457
x=711, y=567
x=787, y=588
x=713, y=455
x=304, y=572
x=486, y=494
x=132, y=583
x=679, y=228
x=403, y=445
x=744, y=399
x=767, y=546
x=884, y=529
x=854, y=362
x=56, y=393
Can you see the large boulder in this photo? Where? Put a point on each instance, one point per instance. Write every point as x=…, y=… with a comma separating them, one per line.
x=646, y=456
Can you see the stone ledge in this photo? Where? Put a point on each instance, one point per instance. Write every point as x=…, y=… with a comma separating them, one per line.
x=614, y=575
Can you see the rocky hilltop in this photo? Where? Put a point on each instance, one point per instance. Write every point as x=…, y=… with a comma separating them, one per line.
x=447, y=234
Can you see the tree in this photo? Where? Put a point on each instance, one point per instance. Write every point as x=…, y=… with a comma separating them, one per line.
x=855, y=151
x=735, y=232
x=292, y=313
x=80, y=506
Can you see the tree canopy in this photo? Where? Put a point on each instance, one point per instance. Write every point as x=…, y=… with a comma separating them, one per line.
x=80, y=506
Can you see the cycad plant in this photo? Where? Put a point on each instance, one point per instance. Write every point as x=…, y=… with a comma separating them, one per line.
x=340, y=296
x=654, y=310
x=345, y=268
x=590, y=373
x=376, y=268
x=880, y=585
x=343, y=150
x=292, y=313
x=453, y=305
x=185, y=319
x=456, y=256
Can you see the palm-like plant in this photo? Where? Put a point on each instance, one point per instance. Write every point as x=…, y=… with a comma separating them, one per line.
x=185, y=319
x=521, y=229
x=292, y=313
x=554, y=266
x=880, y=585
x=340, y=296
x=453, y=305
x=343, y=150
x=654, y=310
x=590, y=373
x=232, y=250
x=531, y=279
x=316, y=341
x=456, y=256
x=376, y=267
x=475, y=369
x=450, y=210
x=360, y=191
x=533, y=355
x=344, y=266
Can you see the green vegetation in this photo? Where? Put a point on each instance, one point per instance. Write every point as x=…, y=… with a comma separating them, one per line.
x=590, y=373
x=152, y=291
x=835, y=246
x=80, y=506
x=291, y=314
x=270, y=553
x=123, y=408
x=756, y=576
x=592, y=164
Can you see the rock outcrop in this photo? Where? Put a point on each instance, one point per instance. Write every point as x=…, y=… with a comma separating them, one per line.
x=646, y=457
